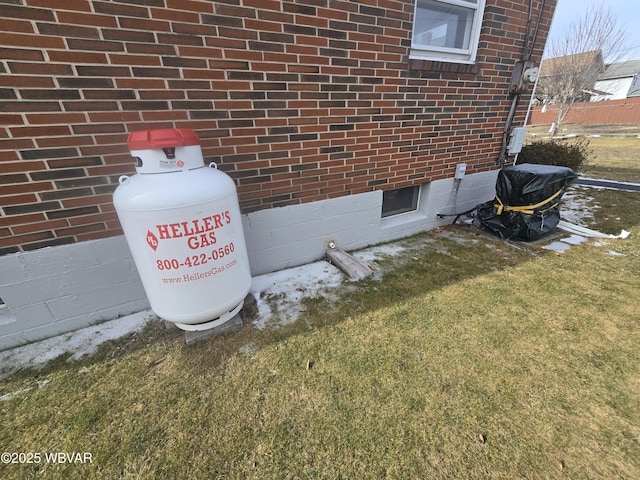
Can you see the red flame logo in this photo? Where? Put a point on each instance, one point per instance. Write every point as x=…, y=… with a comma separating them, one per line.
x=152, y=240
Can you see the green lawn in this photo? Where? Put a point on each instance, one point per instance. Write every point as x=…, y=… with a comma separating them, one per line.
x=614, y=158
x=466, y=358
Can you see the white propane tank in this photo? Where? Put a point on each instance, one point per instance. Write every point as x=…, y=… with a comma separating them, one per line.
x=182, y=223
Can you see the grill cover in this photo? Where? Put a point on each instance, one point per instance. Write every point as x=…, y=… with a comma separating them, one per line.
x=526, y=203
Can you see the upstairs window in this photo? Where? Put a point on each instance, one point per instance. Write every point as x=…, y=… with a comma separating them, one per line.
x=446, y=30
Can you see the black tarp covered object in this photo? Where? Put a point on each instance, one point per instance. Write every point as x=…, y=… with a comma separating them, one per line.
x=526, y=203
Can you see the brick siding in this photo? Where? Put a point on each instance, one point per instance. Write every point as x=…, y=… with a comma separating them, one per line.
x=297, y=100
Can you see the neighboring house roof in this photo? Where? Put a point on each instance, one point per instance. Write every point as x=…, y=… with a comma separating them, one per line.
x=634, y=90
x=617, y=73
x=629, y=68
x=570, y=77
x=578, y=61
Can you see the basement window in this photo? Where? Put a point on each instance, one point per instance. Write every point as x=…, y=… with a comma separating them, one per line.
x=446, y=30
x=400, y=200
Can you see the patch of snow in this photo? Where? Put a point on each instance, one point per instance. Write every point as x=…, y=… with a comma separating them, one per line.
x=558, y=247
x=79, y=343
x=458, y=239
x=574, y=239
x=10, y=395
x=374, y=253
x=247, y=349
x=42, y=383
x=279, y=294
x=576, y=207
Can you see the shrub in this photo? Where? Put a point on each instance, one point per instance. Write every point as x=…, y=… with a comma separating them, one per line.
x=566, y=153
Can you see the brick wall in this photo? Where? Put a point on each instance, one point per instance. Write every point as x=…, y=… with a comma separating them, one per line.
x=297, y=100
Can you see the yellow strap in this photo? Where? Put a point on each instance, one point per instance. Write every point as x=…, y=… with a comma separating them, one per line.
x=528, y=209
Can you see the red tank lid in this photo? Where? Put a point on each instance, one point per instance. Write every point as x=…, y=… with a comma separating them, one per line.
x=162, y=138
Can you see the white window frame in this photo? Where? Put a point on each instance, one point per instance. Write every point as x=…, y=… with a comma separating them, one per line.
x=414, y=208
x=455, y=55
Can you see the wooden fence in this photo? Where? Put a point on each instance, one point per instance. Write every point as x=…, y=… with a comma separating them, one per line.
x=606, y=112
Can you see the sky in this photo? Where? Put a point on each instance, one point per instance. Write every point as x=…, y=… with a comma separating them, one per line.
x=626, y=11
